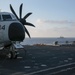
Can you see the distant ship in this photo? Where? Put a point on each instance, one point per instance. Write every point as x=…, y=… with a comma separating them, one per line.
x=61, y=37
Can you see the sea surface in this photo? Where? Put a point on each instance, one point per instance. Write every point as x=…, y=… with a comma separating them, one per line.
x=47, y=41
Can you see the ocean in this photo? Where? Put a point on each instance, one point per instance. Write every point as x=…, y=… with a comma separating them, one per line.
x=47, y=41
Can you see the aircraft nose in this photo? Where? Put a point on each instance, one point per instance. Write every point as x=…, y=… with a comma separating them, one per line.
x=16, y=32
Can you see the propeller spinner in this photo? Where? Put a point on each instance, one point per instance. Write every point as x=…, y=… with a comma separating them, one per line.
x=22, y=20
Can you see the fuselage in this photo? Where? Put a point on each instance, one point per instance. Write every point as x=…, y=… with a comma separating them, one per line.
x=10, y=28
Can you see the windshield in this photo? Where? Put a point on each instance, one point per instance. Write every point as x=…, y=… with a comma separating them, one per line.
x=8, y=17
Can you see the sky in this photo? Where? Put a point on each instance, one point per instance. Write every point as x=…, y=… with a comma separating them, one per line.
x=52, y=18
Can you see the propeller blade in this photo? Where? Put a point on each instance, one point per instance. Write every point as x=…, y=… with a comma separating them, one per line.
x=27, y=15
x=11, y=8
x=29, y=24
x=20, y=11
x=27, y=32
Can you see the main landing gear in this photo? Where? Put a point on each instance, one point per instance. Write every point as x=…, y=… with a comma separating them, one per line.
x=12, y=53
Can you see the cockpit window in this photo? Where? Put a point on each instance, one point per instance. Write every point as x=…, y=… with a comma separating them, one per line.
x=13, y=17
x=7, y=17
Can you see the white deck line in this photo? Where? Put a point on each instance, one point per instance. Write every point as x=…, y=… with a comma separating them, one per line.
x=62, y=70
x=49, y=69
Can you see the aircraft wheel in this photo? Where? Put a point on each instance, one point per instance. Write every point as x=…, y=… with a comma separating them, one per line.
x=15, y=56
x=10, y=55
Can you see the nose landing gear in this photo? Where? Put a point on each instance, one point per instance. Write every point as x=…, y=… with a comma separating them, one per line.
x=12, y=55
x=13, y=50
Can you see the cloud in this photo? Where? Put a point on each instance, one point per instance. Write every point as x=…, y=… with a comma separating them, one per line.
x=40, y=21
x=53, y=32
x=45, y=30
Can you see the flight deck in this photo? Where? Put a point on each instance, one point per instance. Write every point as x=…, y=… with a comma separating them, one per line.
x=40, y=60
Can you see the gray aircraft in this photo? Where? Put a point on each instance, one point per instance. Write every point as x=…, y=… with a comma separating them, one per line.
x=12, y=31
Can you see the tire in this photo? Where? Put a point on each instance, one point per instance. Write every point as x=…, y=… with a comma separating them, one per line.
x=15, y=57
x=10, y=55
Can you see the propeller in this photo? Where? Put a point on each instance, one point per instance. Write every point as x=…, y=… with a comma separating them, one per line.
x=22, y=20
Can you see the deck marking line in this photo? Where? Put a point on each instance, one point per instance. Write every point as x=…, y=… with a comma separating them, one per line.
x=49, y=69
